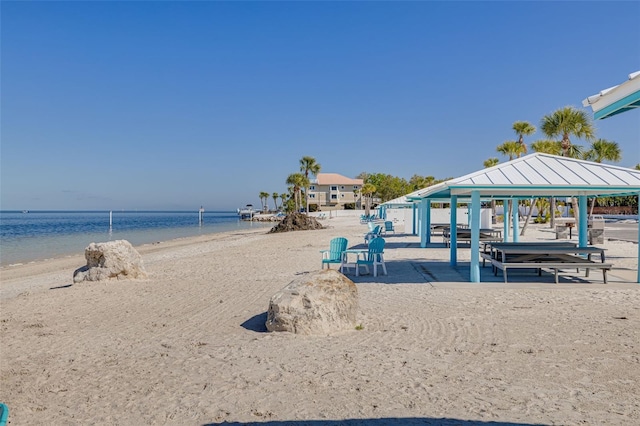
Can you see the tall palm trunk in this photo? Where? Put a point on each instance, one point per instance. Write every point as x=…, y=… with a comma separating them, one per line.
x=493, y=211
x=526, y=222
x=574, y=204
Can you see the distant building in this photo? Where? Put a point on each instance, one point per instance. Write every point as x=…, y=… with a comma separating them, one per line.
x=331, y=191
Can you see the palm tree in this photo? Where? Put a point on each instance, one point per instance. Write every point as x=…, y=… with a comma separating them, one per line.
x=604, y=150
x=511, y=149
x=523, y=128
x=309, y=165
x=600, y=151
x=567, y=122
x=487, y=164
x=367, y=191
x=283, y=198
x=547, y=146
x=490, y=162
x=275, y=196
x=418, y=182
x=637, y=166
x=297, y=181
x=264, y=196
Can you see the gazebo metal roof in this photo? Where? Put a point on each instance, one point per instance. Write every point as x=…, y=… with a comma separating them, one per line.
x=539, y=175
x=535, y=175
x=616, y=99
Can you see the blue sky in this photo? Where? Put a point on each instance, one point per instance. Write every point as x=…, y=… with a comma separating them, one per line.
x=173, y=105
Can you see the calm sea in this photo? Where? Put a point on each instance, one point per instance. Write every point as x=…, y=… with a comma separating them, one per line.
x=39, y=235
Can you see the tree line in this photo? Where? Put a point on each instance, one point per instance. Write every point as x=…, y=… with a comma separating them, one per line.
x=377, y=187
x=558, y=127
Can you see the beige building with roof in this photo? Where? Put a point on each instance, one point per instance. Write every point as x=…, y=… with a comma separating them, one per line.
x=331, y=191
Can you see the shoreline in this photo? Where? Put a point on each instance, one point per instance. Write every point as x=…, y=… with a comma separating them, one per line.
x=147, y=235
x=188, y=344
x=75, y=261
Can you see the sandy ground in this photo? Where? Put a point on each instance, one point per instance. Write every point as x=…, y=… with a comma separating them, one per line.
x=188, y=345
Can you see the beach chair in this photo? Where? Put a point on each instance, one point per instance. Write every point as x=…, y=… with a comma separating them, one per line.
x=335, y=254
x=373, y=257
x=4, y=414
x=388, y=227
x=372, y=234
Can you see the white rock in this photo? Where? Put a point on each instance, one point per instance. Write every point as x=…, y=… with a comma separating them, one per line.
x=113, y=259
x=321, y=302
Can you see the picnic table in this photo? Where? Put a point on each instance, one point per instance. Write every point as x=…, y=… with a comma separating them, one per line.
x=438, y=228
x=554, y=256
x=464, y=235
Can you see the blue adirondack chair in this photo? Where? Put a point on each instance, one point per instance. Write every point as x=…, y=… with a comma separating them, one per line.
x=373, y=257
x=335, y=254
x=388, y=227
x=4, y=414
x=372, y=234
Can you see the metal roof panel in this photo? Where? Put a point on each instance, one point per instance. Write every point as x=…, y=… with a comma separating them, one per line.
x=541, y=173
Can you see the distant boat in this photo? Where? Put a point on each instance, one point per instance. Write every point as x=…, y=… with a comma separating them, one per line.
x=247, y=212
x=25, y=211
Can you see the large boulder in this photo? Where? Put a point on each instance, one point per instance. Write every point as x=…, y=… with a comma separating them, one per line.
x=320, y=302
x=296, y=222
x=113, y=259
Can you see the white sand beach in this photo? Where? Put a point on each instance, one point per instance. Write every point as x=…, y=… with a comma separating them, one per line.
x=188, y=346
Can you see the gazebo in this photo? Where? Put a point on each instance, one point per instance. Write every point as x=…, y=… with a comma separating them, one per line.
x=616, y=99
x=535, y=175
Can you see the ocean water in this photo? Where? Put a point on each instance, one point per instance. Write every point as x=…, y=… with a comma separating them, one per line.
x=39, y=235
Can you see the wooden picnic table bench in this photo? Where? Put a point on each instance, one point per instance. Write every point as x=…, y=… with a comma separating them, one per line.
x=464, y=235
x=551, y=256
x=489, y=248
x=439, y=228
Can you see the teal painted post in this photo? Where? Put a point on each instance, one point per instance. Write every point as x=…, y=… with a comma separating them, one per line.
x=516, y=225
x=424, y=230
x=414, y=218
x=638, y=245
x=505, y=220
x=453, y=227
x=475, y=237
x=582, y=219
x=427, y=223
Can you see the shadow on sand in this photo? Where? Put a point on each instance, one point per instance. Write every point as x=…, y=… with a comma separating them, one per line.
x=393, y=421
x=256, y=323
x=60, y=286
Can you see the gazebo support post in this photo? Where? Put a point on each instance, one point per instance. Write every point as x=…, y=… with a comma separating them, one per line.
x=638, y=245
x=453, y=231
x=424, y=229
x=514, y=214
x=428, y=221
x=582, y=219
x=414, y=218
x=505, y=220
x=475, y=237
